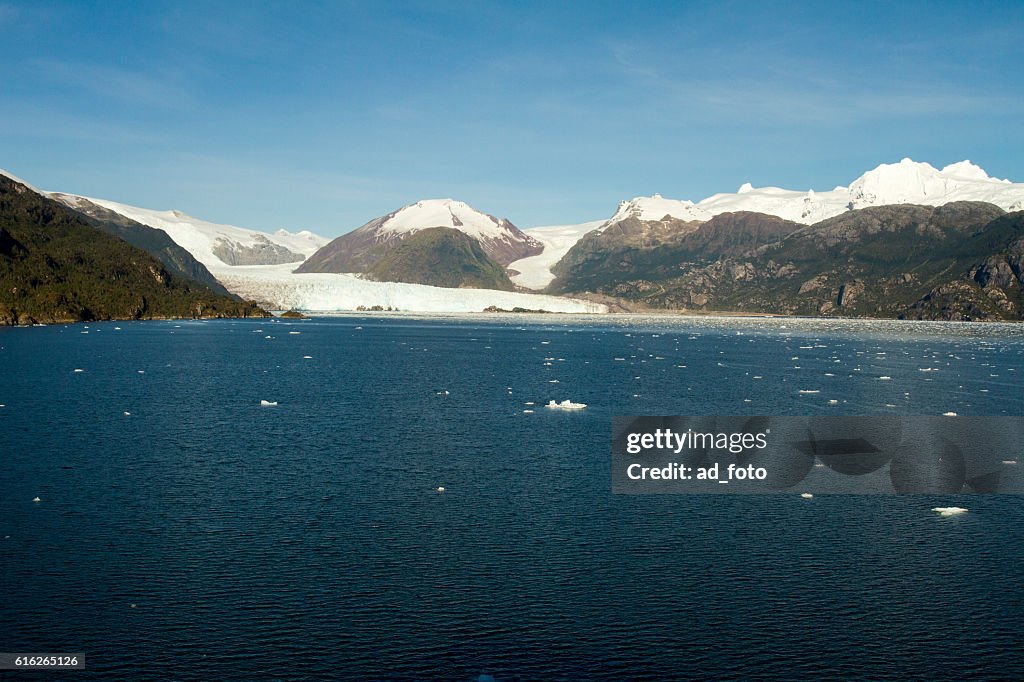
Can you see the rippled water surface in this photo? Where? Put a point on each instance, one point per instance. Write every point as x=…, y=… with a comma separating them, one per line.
x=187, y=532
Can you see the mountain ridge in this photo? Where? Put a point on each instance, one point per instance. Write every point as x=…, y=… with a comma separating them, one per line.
x=57, y=265
x=360, y=249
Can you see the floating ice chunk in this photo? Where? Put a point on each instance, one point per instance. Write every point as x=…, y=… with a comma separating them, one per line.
x=36, y=499
x=565, y=405
x=949, y=414
x=806, y=496
x=949, y=511
x=439, y=488
x=268, y=403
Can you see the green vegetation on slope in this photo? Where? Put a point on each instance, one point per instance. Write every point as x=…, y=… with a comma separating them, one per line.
x=157, y=243
x=57, y=266
x=441, y=257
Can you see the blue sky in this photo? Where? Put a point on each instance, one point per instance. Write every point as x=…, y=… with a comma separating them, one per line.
x=322, y=116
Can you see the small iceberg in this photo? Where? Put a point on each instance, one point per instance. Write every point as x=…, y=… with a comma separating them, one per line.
x=565, y=405
x=268, y=403
x=949, y=511
x=806, y=496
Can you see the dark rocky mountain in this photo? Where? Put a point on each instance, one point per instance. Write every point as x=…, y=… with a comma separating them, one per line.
x=441, y=257
x=361, y=249
x=959, y=261
x=657, y=248
x=57, y=265
x=156, y=243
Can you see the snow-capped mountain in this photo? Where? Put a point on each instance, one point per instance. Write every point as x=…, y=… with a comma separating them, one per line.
x=657, y=207
x=218, y=247
x=360, y=249
x=906, y=182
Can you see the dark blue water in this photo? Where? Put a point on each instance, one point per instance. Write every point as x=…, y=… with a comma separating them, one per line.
x=205, y=537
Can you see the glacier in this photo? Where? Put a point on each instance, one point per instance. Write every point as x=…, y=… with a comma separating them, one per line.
x=534, y=272
x=278, y=288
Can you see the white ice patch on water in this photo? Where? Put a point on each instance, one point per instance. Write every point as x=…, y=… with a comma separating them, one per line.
x=949, y=511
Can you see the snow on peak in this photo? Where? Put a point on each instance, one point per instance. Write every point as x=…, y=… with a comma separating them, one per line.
x=444, y=213
x=14, y=177
x=921, y=183
x=217, y=246
x=656, y=207
x=905, y=182
x=965, y=169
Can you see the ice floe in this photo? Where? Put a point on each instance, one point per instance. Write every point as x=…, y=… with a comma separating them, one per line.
x=565, y=405
x=949, y=511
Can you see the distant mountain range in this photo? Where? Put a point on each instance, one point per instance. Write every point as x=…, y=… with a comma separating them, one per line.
x=756, y=250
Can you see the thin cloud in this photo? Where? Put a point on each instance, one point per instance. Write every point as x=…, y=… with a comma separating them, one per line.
x=116, y=83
